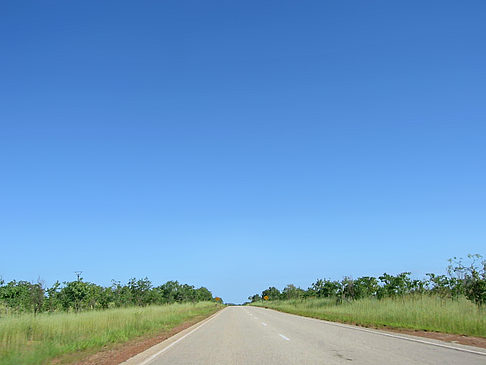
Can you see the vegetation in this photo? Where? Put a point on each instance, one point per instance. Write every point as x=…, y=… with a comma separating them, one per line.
x=421, y=312
x=36, y=339
x=38, y=324
x=452, y=303
x=26, y=297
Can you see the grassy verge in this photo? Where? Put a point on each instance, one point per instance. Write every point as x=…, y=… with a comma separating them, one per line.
x=414, y=312
x=37, y=340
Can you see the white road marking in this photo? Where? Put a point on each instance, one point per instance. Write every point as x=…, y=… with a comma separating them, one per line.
x=285, y=338
x=146, y=361
x=264, y=324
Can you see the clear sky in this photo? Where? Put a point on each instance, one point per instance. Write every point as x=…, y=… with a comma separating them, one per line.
x=238, y=145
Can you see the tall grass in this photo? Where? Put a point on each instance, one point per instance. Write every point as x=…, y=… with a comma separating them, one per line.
x=426, y=312
x=27, y=339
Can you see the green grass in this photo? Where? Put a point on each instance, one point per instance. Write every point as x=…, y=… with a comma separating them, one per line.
x=27, y=339
x=413, y=312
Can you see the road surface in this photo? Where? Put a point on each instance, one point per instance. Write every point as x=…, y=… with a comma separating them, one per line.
x=251, y=335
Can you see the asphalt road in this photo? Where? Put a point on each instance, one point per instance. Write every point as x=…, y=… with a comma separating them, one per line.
x=250, y=335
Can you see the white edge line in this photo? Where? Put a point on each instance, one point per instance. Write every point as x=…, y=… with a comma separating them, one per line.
x=284, y=337
x=146, y=361
x=383, y=333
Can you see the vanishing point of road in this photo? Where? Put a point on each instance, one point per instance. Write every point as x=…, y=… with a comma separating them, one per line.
x=251, y=335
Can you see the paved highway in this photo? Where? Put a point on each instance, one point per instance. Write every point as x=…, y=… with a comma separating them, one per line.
x=250, y=335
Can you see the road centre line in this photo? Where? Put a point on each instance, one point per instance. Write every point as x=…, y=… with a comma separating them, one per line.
x=284, y=337
x=146, y=361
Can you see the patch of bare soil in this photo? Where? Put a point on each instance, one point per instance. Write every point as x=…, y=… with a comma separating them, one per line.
x=116, y=354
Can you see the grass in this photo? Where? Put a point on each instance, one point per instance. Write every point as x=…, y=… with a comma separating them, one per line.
x=428, y=313
x=26, y=339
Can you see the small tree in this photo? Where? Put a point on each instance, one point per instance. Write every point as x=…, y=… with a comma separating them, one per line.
x=37, y=296
x=272, y=293
x=471, y=277
x=73, y=294
x=255, y=298
x=292, y=292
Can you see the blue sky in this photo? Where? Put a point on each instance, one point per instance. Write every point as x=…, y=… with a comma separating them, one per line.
x=239, y=145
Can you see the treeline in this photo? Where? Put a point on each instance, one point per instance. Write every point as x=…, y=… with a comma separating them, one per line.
x=462, y=279
x=79, y=295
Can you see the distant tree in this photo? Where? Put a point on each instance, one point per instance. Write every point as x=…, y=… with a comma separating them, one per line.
x=121, y=295
x=78, y=295
x=470, y=277
x=73, y=294
x=438, y=284
x=272, y=293
x=53, y=302
x=255, y=298
x=347, y=289
x=22, y=296
x=140, y=291
x=394, y=285
x=203, y=294
x=292, y=292
x=169, y=291
x=325, y=288
x=366, y=286
x=37, y=296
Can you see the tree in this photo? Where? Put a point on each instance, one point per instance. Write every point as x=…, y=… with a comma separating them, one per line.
x=73, y=294
x=472, y=277
x=366, y=286
x=140, y=291
x=37, y=296
x=394, y=285
x=272, y=293
x=22, y=296
x=169, y=291
x=292, y=292
x=53, y=301
x=255, y=298
x=325, y=288
x=203, y=295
